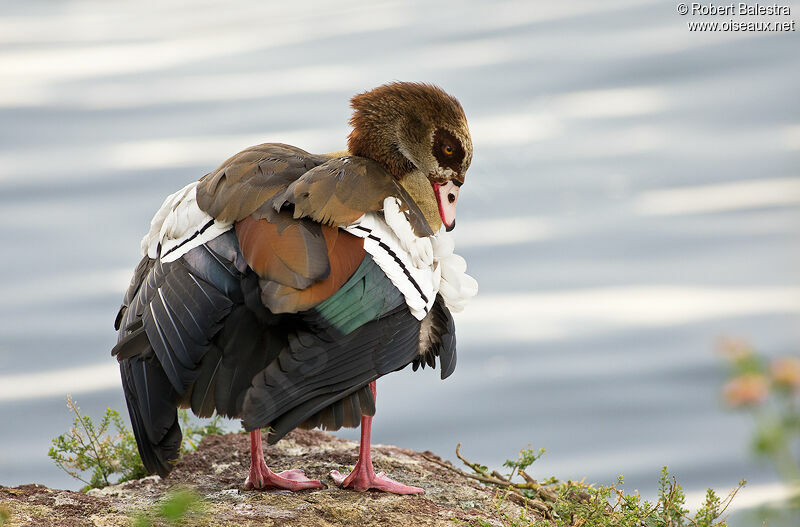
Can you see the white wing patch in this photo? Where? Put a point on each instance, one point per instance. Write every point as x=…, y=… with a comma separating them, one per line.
x=419, y=267
x=180, y=225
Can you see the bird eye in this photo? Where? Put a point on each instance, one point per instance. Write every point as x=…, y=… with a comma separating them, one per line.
x=448, y=150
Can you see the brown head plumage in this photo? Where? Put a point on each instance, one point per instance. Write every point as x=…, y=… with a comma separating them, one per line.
x=412, y=127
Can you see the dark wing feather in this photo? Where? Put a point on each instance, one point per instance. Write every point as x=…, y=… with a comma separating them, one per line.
x=152, y=406
x=345, y=412
x=177, y=300
x=202, y=400
x=440, y=329
x=248, y=179
x=313, y=373
x=139, y=276
x=166, y=349
x=134, y=343
x=247, y=348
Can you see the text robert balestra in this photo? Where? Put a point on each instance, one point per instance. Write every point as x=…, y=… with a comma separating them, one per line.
x=741, y=8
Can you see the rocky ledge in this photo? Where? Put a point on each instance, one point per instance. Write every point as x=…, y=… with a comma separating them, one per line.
x=215, y=472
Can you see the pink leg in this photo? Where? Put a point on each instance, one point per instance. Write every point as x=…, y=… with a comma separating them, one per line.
x=363, y=476
x=261, y=477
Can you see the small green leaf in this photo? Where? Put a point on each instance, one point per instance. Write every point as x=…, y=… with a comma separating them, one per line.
x=175, y=508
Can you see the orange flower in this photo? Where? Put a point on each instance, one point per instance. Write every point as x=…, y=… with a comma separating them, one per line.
x=786, y=372
x=734, y=349
x=748, y=389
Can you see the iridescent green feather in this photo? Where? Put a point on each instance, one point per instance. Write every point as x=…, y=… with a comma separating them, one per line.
x=366, y=296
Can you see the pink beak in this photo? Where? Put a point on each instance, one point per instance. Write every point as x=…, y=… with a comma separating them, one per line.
x=447, y=197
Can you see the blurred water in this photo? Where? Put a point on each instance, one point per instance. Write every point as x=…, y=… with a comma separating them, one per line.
x=634, y=194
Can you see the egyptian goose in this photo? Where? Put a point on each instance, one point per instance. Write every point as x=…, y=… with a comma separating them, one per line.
x=280, y=286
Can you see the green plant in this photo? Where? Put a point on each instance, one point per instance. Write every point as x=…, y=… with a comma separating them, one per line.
x=174, y=509
x=770, y=391
x=5, y=515
x=104, y=449
x=555, y=503
x=108, y=448
x=194, y=431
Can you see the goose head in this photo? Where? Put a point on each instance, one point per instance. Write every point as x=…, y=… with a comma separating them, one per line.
x=419, y=134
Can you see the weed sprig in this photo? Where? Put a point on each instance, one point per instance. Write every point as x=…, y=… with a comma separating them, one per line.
x=555, y=503
x=108, y=448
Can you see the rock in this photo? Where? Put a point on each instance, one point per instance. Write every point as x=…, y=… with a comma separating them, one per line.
x=216, y=472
